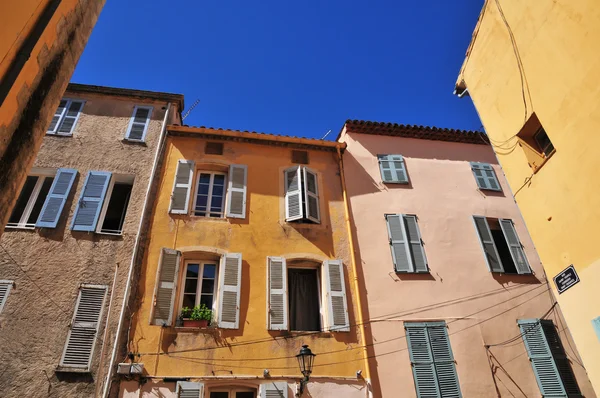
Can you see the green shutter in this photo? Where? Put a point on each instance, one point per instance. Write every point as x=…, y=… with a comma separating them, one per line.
x=487, y=244
x=398, y=243
x=560, y=358
x=393, y=169
x=415, y=244
x=514, y=244
x=485, y=176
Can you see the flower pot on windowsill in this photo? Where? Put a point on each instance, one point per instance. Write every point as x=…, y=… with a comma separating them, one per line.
x=189, y=323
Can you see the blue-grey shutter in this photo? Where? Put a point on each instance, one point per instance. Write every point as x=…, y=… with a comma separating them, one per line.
x=393, y=169
x=399, y=243
x=90, y=202
x=485, y=176
x=138, y=124
x=5, y=287
x=57, y=196
x=57, y=116
x=514, y=244
x=560, y=358
x=487, y=244
x=445, y=368
x=415, y=244
x=70, y=119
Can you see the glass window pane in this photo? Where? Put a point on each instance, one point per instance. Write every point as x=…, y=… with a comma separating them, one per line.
x=208, y=286
x=23, y=199
x=39, y=202
x=209, y=270
x=206, y=299
x=204, y=178
x=189, y=300
x=217, y=204
x=191, y=285
x=218, y=190
x=219, y=179
x=244, y=394
x=215, y=394
x=192, y=271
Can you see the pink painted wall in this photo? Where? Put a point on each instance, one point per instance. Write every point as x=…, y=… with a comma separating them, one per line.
x=479, y=307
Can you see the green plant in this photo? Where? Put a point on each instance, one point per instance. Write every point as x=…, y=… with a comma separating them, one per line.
x=198, y=313
x=186, y=312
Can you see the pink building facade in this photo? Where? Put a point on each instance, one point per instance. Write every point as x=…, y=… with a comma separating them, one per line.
x=456, y=296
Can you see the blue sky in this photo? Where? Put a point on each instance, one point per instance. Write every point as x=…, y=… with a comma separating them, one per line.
x=294, y=68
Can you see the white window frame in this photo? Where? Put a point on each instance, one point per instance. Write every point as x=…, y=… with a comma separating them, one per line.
x=131, y=120
x=232, y=390
x=9, y=285
x=202, y=263
x=210, y=189
x=42, y=174
x=62, y=117
x=116, y=178
x=308, y=264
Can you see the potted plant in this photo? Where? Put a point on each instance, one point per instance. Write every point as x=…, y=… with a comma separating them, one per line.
x=197, y=317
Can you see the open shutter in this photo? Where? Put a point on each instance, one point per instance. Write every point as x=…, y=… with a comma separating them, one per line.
x=487, y=244
x=70, y=119
x=277, y=316
x=138, y=124
x=57, y=196
x=236, y=192
x=62, y=107
x=514, y=244
x=230, y=283
x=189, y=389
x=311, y=195
x=415, y=244
x=84, y=327
x=180, y=198
x=294, y=208
x=560, y=358
x=399, y=243
x=485, y=176
x=337, y=306
x=274, y=390
x=5, y=287
x=164, y=296
x=90, y=202
x=445, y=368
x=421, y=359
x=393, y=169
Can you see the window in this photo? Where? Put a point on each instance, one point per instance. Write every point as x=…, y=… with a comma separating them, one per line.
x=210, y=194
x=393, y=169
x=213, y=148
x=199, y=286
x=274, y=389
x=232, y=393
x=485, y=176
x=300, y=157
x=543, y=142
x=301, y=195
x=116, y=201
x=5, y=287
x=501, y=245
x=406, y=244
x=31, y=200
x=548, y=358
x=535, y=143
x=304, y=297
x=434, y=370
x=65, y=118
x=138, y=125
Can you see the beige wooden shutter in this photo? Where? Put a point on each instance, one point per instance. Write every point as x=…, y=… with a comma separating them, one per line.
x=230, y=283
x=166, y=286
x=274, y=389
x=138, y=125
x=277, y=316
x=294, y=206
x=236, y=192
x=182, y=187
x=311, y=195
x=337, y=306
x=190, y=389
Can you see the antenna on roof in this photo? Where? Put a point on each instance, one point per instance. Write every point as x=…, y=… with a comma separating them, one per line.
x=326, y=134
x=191, y=109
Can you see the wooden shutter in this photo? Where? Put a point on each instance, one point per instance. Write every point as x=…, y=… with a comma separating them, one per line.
x=415, y=244
x=236, y=192
x=274, y=390
x=311, y=195
x=138, y=125
x=485, y=176
x=70, y=118
x=84, y=327
x=277, y=316
x=514, y=244
x=337, y=306
x=560, y=358
x=5, y=287
x=445, y=368
x=487, y=244
x=189, y=389
x=399, y=243
x=62, y=107
x=393, y=169
x=166, y=286
x=90, y=202
x=180, y=198
x=230, y=283
x=57, y=196
x=294, y=208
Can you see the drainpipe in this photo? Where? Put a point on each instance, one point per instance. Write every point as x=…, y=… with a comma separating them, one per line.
x=363, y=341
x=161, y=142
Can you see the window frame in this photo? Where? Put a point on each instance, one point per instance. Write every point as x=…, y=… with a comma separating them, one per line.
x=62, y=117
x=202, y=263
x=210, y=190
x=481, y=166
x=232, y=390
x=407, y=244
x=146, y=125
x=307, y=264
x=540, y=148
x=395, y=175
x=42, y=174
x=115, y=178
x=301, y=172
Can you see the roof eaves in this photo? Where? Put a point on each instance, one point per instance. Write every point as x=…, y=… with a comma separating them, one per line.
x=127, y=92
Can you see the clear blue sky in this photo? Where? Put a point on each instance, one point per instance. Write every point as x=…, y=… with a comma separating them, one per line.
x=294, y=68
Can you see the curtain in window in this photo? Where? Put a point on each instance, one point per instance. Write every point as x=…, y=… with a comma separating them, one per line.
x=303, y=293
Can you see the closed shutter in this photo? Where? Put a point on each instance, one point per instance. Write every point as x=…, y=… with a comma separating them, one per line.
x=514, y=244
x=277, y=316
x=57, y=196
x=139, y=123
x=399, y=243
x=311, y=195
x=70, y=118
x=485, y=176
x=337, y=306
x=84, y=327
x=274, y=390
x=90, y=202
x=62, y=107
x=487, y=244
x=230, y=283
x=189, y=389
x=182, y=186
x=560, y=358
x=415, y=244
x=393, y=169
x=5, y=287
x=294, y=208
x=236, y=202
x=164, y=296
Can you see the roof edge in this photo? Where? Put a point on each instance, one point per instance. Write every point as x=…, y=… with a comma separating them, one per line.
x=127, y=92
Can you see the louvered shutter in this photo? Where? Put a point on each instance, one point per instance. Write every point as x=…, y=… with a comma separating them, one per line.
x=57, y=196
x=138, y=124
x=230, y=283
x=182, y=186
x=560, y=358
x=70, y=118
x=485, y=176
x=399, y=243
x=277, y=316
x=90, y=202
x=189, y=389
x=236, y=201
x=294, y=207
x=393, y=169
x=514, y=244
x=62, y=107
x=274, y=390
x=311, y=195
x=415, y=244
x=337, y=306
x=84, y=327
x=166, y=286
x=445, y=368
x=421, y=359
x=487, y=244
x=5, y=287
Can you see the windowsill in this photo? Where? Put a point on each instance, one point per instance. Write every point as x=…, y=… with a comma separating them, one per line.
x=489, y=189
x=545, y=159
x=395, y=182
x=67, y=369
x=513, y=273
x=205, y=329
x=60, y=135
x=428, y=272
x=139, y=142
x=204, y=218
x=21, y=227
x=317, y=333
x=110, y=233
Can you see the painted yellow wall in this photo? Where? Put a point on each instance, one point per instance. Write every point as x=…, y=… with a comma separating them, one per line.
x=557, y=77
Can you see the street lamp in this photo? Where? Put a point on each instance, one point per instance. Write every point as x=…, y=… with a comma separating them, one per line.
x=305, y=361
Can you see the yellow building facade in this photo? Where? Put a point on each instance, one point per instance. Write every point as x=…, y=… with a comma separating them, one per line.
x=532, y=71
x=254, y=227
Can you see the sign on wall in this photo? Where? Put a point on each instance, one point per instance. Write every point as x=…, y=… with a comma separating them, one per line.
x=566, y=278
